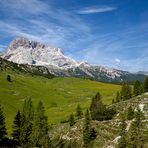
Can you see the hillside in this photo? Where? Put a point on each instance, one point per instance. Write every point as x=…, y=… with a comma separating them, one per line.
x=107, y=131
x=60, y=95
x=9, y=66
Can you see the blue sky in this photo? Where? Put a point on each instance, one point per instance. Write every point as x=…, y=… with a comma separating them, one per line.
x=112, y=33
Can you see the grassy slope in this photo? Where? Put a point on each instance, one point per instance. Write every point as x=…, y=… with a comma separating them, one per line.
x=59, y=95
x=107, y=131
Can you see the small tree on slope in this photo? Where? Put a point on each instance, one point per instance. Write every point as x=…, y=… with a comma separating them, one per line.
x=97, y=108
x=17, y=127
x=126, y=91
x=118, y=98
x=27, y=117
x=40, y=135
x=79, y=112
x=146, y=84
x=135, y=134
x=3, y=132
x=89, y=134
x=71, y=120
x=122, y=141
x=137, y=90
x=130, y=113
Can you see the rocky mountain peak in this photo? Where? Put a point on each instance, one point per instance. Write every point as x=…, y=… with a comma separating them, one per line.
x=25, y=43
x=24, y=51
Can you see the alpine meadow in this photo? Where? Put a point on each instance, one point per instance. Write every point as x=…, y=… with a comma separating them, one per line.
x=73, y=74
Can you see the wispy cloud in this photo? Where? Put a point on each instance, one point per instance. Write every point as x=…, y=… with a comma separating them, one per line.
x=98, y=9
x=123, y=50
x=24, y=7
x=41, y=22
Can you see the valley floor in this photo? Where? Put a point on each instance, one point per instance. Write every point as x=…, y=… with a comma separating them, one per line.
x=59, y=95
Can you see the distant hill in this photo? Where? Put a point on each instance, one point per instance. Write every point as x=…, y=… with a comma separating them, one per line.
x=142, y=72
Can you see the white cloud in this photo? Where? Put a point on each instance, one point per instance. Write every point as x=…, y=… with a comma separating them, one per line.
x=117, y=60
x=38, y=31
x=98, y=9
x=41, y=22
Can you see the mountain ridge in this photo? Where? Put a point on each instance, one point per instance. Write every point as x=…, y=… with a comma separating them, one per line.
x=24, y=51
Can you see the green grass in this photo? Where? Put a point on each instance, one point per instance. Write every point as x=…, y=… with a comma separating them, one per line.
x=59, y=95
x=107, y=131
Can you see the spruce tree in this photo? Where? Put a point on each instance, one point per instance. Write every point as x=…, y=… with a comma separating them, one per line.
x=122, y=143
x=113, y=101
x=71, y=120
x=137, y=90
x=135, y=134
x=79, y=112
x=126, y=91
x=3, y=132
x=86, y=129
x=27, y=117
x=40, y=130
x=97, y=108
x=89, y=133
x=8, y=78
x=17, y=127
x=122, y=126
x=141, y=88
x=132, y=136
x=146, y=84
x=117, y=96
x=99, y=111
x=130, y=113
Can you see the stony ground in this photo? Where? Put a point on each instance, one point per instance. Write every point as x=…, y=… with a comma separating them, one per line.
x=107, y=131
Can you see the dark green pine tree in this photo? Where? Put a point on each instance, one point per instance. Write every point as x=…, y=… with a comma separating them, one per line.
x=113, y=101
x=57, y=142
x=130, y=113
x=122, y=143
x=40, y=131
x=79, y=112
x=137, y=90
x=122, y=125
x=3, y=132
x=135, y=134
x=86, y=129
x=118, y=98
x=27, y=117
x=141, y=88
x=126, y=91
x=8, y=78
x=89, y=133
x=146, y=84
x=17, y=127
x=71, y=120
x=132, y=136
x=97, y=108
